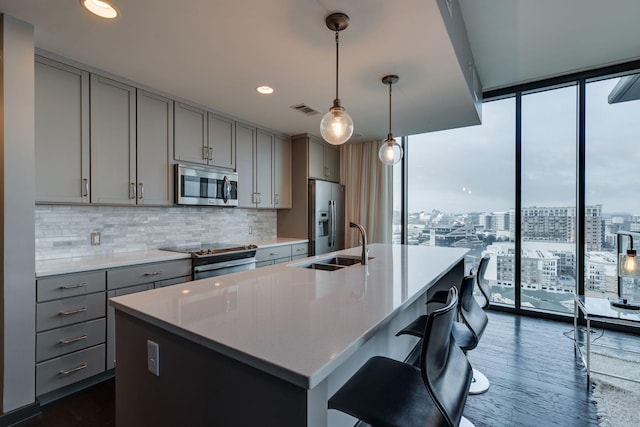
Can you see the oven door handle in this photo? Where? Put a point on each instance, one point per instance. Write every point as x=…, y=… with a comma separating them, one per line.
x=224, y=264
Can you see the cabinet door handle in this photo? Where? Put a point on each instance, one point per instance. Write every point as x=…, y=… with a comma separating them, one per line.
x=86, y=187
x=152, y=273
x=259, y=198
x=72, y=340
x=132, y=191
x=210, y=153
x=276, y=199
x=77, y=285
x=205, y=153
x=70, y=312
x=72, y=370
x=141, y=192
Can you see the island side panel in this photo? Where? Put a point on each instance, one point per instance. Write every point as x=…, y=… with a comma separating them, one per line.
x=196, y=386
x=453, y=277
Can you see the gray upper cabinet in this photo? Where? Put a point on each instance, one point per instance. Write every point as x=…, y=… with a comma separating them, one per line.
x=282, y=172
x=61, y=133
x=263, y=163
x=203, y=137
x=324, y=160
x=245, y=145
x=221, y=141
x=113, y=142
x=154, y=148
x=190, y=137
x=254, y=157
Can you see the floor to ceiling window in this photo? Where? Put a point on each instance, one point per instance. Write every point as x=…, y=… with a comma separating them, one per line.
x=460, y=192
x=548, y=197
x=612, y=163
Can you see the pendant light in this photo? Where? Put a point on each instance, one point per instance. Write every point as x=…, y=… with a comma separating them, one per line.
x=390, y=152
x=336, y=126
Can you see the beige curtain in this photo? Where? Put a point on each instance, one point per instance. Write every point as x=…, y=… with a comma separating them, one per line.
x=368, y=192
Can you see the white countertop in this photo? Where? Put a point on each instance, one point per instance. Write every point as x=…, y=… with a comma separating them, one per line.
x=103, y=261
x=122, y=259
x=296, y=323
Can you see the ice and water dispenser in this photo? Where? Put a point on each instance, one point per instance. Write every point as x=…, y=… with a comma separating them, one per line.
x=323, y=224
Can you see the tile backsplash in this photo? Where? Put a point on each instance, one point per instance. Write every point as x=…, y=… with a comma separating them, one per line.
x=65, y=231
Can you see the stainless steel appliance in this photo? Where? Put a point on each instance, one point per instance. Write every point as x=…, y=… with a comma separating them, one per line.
x=326, y=217
x=205, y=186
x=216, y=259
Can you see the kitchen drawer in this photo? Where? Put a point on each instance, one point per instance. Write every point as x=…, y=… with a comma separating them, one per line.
x=147, y=273
x=274, y=252
x=169, y=282
x=299, y=249
x=70, y=285
x=65, y=370
x=70, y=338
x=67, y=311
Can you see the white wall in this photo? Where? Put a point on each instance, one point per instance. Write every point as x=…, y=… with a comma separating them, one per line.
x=16, y=207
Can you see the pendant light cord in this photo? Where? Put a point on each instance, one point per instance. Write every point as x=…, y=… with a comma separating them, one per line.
x=337, y=54
x=389, y=136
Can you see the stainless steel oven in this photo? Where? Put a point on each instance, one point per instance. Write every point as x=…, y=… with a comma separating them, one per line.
x=205, y=186
x=215, y=259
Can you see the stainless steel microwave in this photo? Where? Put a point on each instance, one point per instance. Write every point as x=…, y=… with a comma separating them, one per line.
x=205, y=186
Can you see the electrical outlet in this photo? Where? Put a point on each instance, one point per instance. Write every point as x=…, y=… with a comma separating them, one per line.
x=95, y=238
x=250, y=229
x=153, y=358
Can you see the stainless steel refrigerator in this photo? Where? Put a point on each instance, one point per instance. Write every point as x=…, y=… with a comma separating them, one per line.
x=326, y=217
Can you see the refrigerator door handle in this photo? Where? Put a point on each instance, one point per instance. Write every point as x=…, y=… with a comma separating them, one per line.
x=333, y=222
x=330, y=230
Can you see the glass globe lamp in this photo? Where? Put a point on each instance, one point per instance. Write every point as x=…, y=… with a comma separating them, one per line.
x=336, y=126
x=390, y=152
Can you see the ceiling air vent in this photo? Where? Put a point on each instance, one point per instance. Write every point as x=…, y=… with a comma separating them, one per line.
x=305, y=109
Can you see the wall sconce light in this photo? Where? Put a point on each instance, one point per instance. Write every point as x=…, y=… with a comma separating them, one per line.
x=390, y=152
x=336, y=126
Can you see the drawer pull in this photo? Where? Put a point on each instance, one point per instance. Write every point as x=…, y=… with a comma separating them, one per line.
x=77, y=285
x=299, y=250
x=273, y=254
x=153, y=273
x=70, y=312
x=72, y=340
x=73, y=370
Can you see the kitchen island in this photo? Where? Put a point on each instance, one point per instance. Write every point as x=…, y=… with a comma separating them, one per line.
x=270, y=346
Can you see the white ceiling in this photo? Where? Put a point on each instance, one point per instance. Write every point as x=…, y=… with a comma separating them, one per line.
x=215, y=52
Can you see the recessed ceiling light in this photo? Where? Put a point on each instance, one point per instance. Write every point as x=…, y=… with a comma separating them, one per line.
x=100, y=8
x=265, y=90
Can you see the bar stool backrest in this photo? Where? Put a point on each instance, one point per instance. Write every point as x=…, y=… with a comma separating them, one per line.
x=482, y=282
x=445, y=370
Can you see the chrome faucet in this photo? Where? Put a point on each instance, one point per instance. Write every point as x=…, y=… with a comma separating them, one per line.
x=364, y=259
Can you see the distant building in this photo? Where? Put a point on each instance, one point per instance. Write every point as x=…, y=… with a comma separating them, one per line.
x=463, y=235
x=559, y=224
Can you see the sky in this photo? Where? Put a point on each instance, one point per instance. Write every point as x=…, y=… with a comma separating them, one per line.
x=472, y=169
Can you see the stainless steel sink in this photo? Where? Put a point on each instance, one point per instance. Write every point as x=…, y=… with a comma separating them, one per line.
x=333, y=263
x=326, y=267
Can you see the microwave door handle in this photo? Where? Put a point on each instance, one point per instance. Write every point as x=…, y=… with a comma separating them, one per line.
x=226, y=191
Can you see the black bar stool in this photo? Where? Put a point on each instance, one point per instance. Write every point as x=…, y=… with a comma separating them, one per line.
x=467, y=331
x=386, y=392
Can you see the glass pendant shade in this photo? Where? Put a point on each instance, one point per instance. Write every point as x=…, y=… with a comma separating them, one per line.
x=336, y=126
x=390, y=152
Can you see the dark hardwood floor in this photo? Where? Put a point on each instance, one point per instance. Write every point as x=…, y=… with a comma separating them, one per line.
x=530, y=363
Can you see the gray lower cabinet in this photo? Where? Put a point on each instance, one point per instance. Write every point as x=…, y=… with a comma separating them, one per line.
x=70, y=329
x=138, y=278
x=299, y=251
x=273, y=255
x=75, y=331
